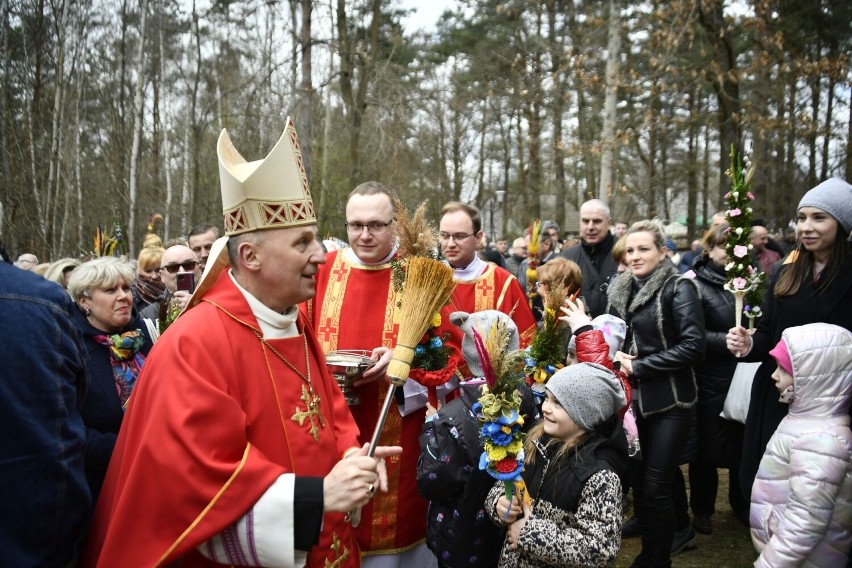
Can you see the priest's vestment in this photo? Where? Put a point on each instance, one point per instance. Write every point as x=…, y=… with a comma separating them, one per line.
x=356, y=307
x=216, y=417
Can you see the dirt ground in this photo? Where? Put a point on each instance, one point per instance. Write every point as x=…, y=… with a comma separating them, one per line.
x=728, y=547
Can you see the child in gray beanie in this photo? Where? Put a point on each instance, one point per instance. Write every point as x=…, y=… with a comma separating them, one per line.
x=571, y=471
x=589, y=393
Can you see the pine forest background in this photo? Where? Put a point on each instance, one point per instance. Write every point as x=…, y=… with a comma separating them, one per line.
x=111, y=109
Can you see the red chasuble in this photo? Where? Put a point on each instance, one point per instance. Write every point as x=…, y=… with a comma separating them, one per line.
x=212, y=423
x=494, y=289
x=356, y=308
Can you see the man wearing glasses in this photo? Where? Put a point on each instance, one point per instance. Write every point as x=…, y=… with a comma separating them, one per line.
x=357, y=308
x=479, y=285
x=176, y=260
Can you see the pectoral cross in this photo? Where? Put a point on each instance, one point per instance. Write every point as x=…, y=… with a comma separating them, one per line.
x=336, y=545
x=311, y=412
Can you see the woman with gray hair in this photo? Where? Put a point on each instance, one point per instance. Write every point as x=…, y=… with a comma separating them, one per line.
x=117, y=342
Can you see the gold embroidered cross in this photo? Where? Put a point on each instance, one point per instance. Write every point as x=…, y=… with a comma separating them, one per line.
x=335, y=547
x=311, y=412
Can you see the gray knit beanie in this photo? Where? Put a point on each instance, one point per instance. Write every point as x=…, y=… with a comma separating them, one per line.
x=589, y=393
x=834, y=196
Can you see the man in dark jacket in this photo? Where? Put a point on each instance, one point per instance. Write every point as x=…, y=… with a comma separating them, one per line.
x=46, y=500
x=594, y=254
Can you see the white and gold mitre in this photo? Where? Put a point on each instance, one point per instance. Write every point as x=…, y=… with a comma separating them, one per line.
x=272, y=193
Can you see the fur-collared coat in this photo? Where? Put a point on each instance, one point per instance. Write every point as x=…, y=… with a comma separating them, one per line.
x=666, y=332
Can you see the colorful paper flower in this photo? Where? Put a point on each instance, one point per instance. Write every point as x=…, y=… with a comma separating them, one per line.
x=740, y=251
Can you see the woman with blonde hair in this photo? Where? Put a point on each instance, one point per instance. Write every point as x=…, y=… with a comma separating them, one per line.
x=148, y=286
x=60, y=270
x=665, y=339
x=117, y=341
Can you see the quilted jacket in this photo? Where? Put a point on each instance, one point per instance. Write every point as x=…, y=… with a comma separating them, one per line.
x=801, y=505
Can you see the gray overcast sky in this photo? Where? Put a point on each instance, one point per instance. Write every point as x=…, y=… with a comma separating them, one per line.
x=427, y=12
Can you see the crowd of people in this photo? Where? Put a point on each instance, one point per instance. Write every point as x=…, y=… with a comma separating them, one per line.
x=178, y=409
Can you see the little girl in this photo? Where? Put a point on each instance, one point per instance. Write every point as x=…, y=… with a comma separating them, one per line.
x=573, y=460
x=801, y=502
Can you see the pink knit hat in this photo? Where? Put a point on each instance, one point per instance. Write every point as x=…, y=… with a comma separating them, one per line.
x=782, y=355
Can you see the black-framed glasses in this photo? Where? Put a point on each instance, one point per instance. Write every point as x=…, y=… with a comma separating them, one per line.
x=187, y=265
x=374, y=228
x=457, y=237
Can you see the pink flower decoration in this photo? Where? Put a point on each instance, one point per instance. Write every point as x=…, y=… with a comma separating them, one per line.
x=739, y=283
x=728, y=229
x=750, y=195
x=727, y=195
x=735, y=212
x=740, y=251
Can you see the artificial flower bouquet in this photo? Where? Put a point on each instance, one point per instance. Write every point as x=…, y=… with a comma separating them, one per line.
x=498, y=411
x=745, y=282
x=547, y=351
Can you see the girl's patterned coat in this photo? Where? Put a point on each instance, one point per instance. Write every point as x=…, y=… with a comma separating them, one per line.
x=576, y=511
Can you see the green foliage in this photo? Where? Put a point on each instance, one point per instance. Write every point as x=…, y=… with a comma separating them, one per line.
x=432, y=353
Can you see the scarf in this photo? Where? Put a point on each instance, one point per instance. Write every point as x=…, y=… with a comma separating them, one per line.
x=149, y=291
x=125, y=359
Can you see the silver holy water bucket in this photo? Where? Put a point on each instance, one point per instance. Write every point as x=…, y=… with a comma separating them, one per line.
x=346, y=366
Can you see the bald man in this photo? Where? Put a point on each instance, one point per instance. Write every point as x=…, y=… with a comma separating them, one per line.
x=27, y=261
x=176, y=260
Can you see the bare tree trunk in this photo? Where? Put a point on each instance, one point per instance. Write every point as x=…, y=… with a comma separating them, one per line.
x=5, y=114
x=559, y=99
x=186, y=190
x=849, y=146
x=811, y=137
x=52, y=186
x=326, y=131
x=826, y=139
x=722, y=73
x=613, y=69
x=355, y=95
x=306, y=88
x=705, y=180
x=167, y=145
x=692, y=167
x=78, y=162
x=480, y=167
x=138, y=107
x=32, y=118
x=760, y=106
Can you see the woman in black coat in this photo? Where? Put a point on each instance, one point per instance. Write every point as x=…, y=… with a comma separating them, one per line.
x=814, y=284
x=719, y=440
x=665, y=340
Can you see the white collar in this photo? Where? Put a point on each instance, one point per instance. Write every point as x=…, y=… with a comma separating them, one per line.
x=352, y=258
x=471, y=271
x=272, y=324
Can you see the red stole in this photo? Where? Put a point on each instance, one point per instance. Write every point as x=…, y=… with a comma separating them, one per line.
x=208, y=428
x=355, y=307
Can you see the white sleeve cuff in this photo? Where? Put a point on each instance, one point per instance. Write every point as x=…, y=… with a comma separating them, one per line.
x=262, y=537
